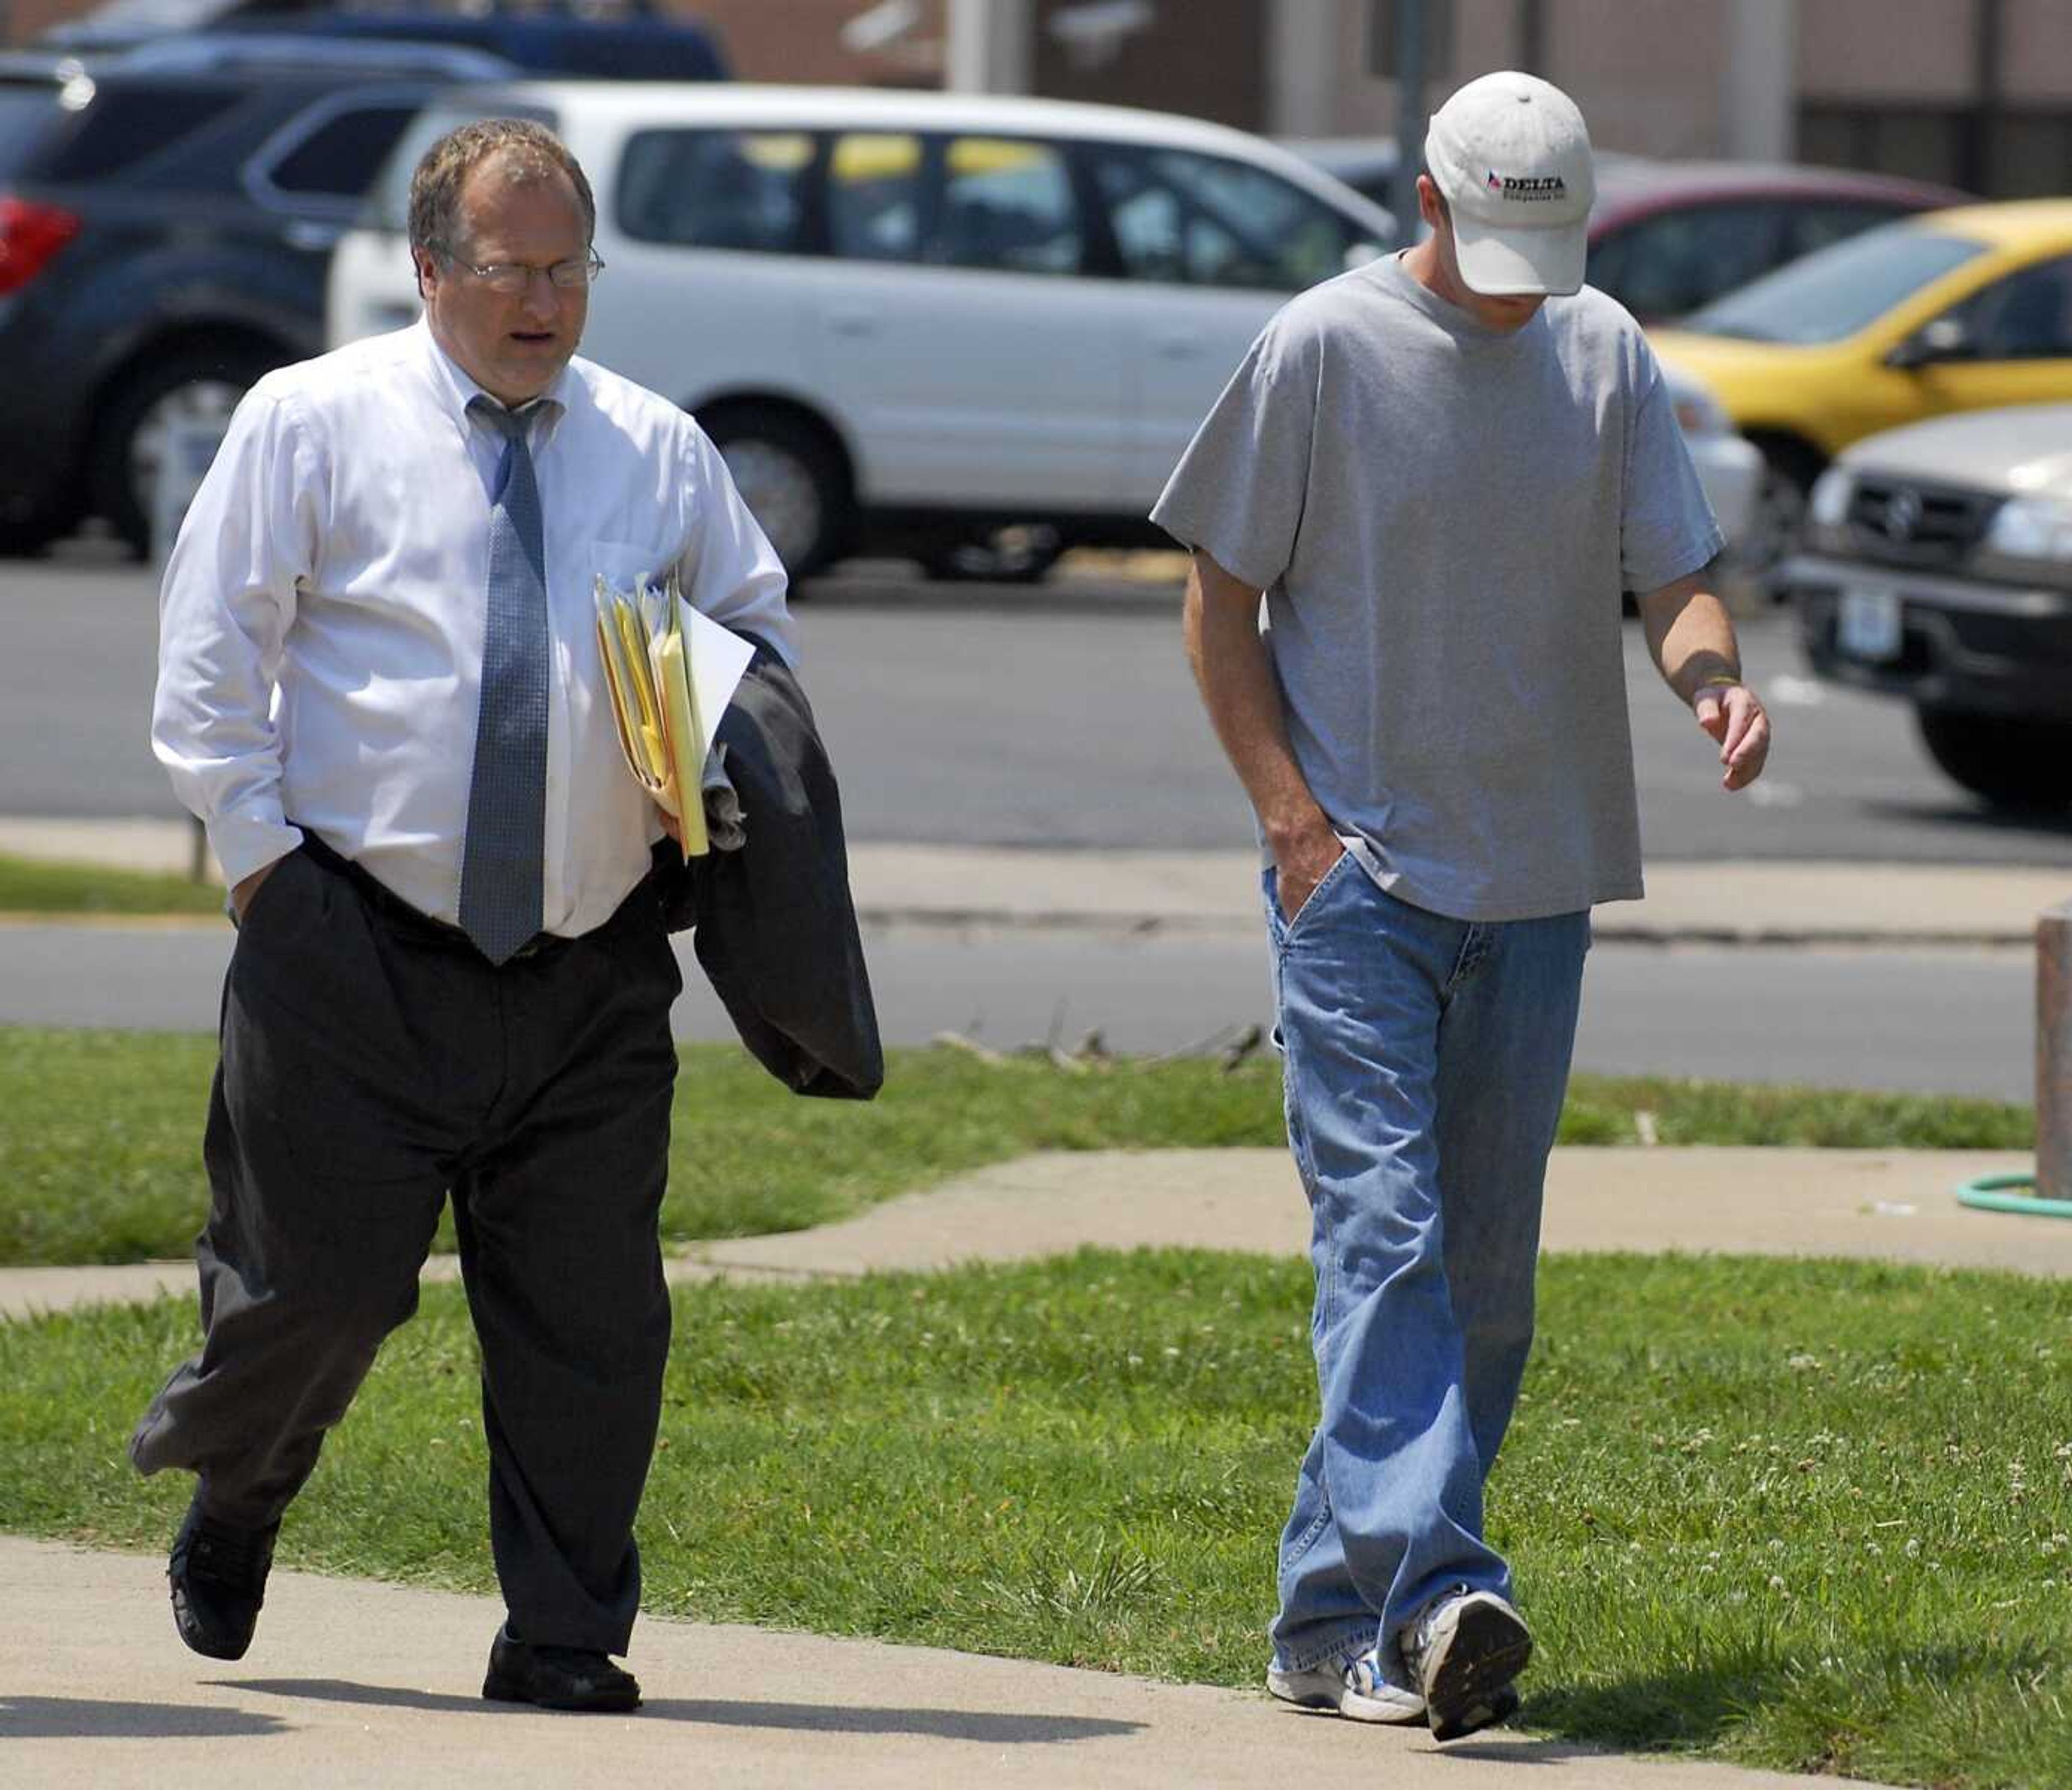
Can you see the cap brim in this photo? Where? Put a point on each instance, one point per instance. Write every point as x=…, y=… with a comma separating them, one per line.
x=1517, y=264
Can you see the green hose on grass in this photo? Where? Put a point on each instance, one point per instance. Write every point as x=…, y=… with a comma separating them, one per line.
x=1998, y=1193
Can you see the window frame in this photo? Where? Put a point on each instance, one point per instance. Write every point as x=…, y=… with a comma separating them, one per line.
x=256, y=175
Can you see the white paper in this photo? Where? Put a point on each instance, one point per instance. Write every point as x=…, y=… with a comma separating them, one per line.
x=718, y=657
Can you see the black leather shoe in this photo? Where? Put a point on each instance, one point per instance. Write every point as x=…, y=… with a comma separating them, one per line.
x=218, y=1575
x=556, y=1678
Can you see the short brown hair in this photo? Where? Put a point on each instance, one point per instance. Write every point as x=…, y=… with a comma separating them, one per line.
x=533, y=153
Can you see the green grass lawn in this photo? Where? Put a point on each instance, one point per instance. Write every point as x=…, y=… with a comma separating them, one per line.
x=1808, y=1514
x=28, y=886
x=101, y=1131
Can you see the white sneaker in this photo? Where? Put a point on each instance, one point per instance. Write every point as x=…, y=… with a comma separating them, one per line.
x=1357, y=1689
x=1463, y=1651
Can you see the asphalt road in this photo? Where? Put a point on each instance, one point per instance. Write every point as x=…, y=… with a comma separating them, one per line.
x=1948, y=1022
x=1061, y=715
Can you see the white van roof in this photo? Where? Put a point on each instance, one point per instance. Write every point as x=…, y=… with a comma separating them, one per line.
x=626, y=105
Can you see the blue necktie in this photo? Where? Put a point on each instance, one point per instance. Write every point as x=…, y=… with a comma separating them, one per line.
x=507, y=803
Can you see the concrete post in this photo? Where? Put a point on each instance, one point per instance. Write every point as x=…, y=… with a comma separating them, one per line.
x=2053, y=1052
x=988, y=50
x=1759, y=80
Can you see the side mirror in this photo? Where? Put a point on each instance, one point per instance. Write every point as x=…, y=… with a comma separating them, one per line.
x=1945, y=339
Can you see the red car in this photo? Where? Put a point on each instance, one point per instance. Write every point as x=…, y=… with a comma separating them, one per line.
x=1668, y=236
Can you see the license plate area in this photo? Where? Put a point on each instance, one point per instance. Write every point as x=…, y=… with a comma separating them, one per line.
x=1867, y=625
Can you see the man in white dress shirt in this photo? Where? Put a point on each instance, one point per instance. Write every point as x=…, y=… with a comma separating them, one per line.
x=379, y=687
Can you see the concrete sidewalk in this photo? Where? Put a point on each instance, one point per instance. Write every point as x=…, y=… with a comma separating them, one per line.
x=1883, y=1205
x=357, y=1683
x=1749, y=903
x=353, y=1684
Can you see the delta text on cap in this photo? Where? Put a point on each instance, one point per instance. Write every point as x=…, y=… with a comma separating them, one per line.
x=1512, y=155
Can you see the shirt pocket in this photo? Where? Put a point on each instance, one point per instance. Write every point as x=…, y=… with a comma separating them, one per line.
x=622, y=564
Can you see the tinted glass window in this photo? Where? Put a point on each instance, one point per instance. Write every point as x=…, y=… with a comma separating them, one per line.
x=2027, y=316
x=874, y=197
x=1198, y=221
x=1674, y=261
x=1838, y=290
x=128, y=124
x=716, y=189
x=388, y=205
x=1814, y=226
x=340, y=157
x=27, y=113
x=1008, y=204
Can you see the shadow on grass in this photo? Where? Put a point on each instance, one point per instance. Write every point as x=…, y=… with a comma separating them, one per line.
x=991, y=1728
x=102, y=1718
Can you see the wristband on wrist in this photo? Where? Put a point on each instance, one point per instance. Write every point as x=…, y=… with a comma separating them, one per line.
x=1719, y=680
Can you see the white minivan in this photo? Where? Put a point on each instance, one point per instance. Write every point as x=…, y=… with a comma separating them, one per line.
x=974, y=330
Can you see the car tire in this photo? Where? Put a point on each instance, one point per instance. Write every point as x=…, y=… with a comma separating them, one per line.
x=793, y=481
x=1777, y=525
x=2022, y=766
x=27, y=535
x=1019, y=555
x=197, y=384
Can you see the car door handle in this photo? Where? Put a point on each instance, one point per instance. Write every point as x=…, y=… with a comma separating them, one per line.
x=852, y=322
x=1177, y=347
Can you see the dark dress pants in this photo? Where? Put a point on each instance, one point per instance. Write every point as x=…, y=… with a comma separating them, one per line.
x=373, y=1063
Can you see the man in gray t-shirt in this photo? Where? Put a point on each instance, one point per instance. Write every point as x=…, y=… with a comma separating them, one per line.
x=1442, y=470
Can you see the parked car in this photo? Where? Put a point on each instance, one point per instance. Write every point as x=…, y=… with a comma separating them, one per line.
x=1939, y=570
x=1958, y=310
x=974, y=330
x=643, y=46
x=1666, y=237
x=1729, y=464
x=165, y=214
x=979, y=331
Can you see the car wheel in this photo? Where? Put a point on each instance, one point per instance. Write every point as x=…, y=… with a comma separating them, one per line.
x=1018, y=555
x=198, y=386
x=25, y=535
x=1777, y=525
x=792, y=481
x=2024, y=765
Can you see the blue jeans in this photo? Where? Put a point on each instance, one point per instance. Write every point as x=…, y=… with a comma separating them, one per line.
x=1426, y=1060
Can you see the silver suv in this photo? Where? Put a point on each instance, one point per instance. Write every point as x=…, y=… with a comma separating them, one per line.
x=1940, y=570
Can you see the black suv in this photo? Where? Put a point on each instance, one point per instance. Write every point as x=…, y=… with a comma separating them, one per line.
x=166, y=215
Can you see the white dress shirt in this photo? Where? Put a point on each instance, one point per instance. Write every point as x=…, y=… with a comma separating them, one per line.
x=321, y=625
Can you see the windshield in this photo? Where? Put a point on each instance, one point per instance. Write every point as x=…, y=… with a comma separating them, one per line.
x=1835, y=291
x=388, y=204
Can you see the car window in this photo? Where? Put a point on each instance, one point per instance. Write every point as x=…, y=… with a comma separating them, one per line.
x=123, y=126
x=2027, y=316
x=1815, y=225
x=1200, y=221
x=874, y=196
x=716, y=189
x=1672, y=262
x=388, y=204
x=1840, y=289
x=338, y=158
x=28, y=110
x=1007, y=204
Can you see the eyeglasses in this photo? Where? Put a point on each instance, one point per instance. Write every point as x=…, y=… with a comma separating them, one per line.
x=512, y=277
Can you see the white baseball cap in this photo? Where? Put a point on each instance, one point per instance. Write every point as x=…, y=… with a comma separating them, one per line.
x=1512, y=155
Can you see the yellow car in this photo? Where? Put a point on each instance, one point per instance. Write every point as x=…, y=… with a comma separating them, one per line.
x=1959, y=309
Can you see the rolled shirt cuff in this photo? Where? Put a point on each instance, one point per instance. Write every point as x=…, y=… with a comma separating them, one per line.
x=245, y=843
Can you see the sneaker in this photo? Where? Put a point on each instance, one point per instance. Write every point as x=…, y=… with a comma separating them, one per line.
x=1463, y=1652
x=1357, y=1688
x=218, y=1576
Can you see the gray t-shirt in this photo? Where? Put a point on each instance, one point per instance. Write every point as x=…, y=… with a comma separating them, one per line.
x=1443, y=517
